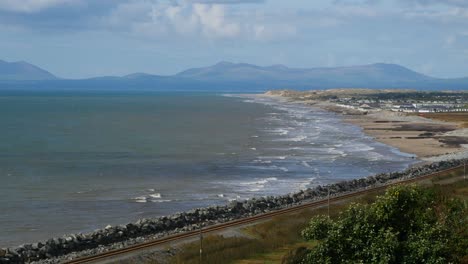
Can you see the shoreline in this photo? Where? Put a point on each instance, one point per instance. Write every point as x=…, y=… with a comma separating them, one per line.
x=427, y=139
x=123, y=235
x=68, y=247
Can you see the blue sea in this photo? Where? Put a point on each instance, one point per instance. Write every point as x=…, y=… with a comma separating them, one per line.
x=73, y=162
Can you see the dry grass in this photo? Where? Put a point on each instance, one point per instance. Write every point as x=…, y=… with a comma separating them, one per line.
x=268, y=242
x=461, y=118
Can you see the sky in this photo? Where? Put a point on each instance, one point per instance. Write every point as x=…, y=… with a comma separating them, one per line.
x=87, y=38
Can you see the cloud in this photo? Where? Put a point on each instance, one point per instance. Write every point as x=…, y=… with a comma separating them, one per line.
x=459, y=3
x=446, y=15
x=32, y=6
x=355, y=11
x=198, y=20
x=227, y=2
x=183, y=19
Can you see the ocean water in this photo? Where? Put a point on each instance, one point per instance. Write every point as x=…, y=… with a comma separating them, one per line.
x=75, y=161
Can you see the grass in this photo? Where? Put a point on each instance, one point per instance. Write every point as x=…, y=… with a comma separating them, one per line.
x=270, y=241
x=461, y=118
x=266, y=242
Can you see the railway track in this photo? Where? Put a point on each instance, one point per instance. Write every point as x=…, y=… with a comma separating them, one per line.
x=157, y=242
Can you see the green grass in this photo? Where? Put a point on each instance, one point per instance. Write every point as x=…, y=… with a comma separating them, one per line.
x=265, y=242
x=269, y=241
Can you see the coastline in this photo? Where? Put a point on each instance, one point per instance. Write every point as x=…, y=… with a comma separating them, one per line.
x=114, y=237
x=427, y=139
x=72, y=246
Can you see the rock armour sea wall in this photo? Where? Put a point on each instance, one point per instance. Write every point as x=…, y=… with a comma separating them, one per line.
x=114, y=237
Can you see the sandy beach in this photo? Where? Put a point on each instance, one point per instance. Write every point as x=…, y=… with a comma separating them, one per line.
x=428, y=139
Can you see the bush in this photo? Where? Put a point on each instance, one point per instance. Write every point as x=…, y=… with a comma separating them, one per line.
x=406, y=225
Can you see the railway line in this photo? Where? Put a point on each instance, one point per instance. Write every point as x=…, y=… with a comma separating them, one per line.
x=248, y=220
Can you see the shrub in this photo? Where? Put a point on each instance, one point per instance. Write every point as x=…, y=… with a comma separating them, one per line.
x=408, y=224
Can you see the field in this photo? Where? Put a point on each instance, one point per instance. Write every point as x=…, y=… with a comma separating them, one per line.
x=461, y=118
x=270, y=241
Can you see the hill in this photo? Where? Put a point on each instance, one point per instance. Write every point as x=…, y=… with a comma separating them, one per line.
x=247, y=72
x=237, y=77
x=23, y=71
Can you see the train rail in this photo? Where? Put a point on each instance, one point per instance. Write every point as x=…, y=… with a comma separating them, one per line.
x=248, y=220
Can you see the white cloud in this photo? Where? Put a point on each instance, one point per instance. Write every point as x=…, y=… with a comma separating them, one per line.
x=444, y=15
x=194, y=19
x=354, y=11
x=156, y=19
x=31, y=6
x=437, y=2
x=212, y=21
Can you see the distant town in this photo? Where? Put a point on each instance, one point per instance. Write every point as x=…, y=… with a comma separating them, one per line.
x=393, y=100
x=417, y=102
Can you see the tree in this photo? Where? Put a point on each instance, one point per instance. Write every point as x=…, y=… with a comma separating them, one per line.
x=408, y=224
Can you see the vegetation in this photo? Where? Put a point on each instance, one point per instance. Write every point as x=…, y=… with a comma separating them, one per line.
x=408, y=224
x=419, y=96
x=461, y=118
x=279, y=240
x=282, y=232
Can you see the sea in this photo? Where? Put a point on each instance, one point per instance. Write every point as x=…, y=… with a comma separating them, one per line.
x=72, y=162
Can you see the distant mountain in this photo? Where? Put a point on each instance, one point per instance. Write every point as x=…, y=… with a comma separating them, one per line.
x=23, y=71
x=238, y=77
x=379, y=72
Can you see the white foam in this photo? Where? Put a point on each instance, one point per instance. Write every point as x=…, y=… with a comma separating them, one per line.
x=306, y=164
x=280, y=168
x=140, y=199
x=282, y=131
x=260, y=183
x=298, y=138
x=373, y=156
x=150, y=190
x=155, y=195
x=253, y=148
x=262, y=161
x=160, y=201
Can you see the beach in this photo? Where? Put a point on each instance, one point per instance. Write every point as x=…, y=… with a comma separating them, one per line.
x=113, y=158
x=428, y=139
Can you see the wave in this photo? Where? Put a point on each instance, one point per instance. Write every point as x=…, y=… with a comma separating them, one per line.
x=280, y=131
x=297, y=139
x=262, y=161
x=155, y=195
x=160, y=201
x=145, y=198
x=140, y=199
x=258, y=185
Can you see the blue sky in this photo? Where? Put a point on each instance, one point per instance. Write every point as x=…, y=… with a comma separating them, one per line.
x=86, y=38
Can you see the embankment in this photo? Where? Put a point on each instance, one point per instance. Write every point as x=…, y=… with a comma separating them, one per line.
x=115, y=237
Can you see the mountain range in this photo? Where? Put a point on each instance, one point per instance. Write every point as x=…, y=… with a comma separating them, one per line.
x=227, y=76
x=22, y=70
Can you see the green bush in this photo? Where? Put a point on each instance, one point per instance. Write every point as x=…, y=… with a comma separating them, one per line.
x=406, y=225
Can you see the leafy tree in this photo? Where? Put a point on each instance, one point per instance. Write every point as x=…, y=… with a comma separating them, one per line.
x=408, y=224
